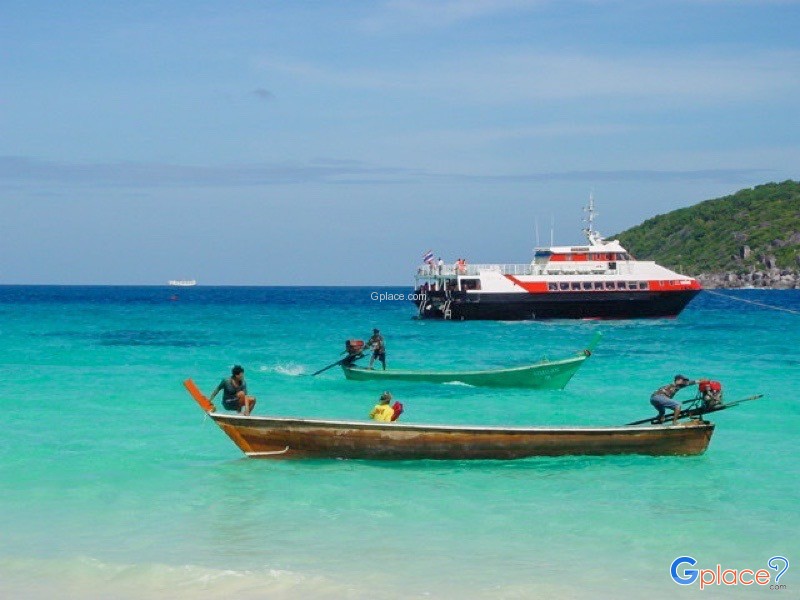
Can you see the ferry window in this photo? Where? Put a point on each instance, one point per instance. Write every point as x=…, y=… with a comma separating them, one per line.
x=598, y=285
x=632, y=285
x=552, y=287
x=563, y=286
x=587, y=285
x=575, y=285
x=470, y=284
x=642, y=285
x=610, y=285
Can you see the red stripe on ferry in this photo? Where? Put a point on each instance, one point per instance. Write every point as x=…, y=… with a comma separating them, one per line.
x=533, y=287
x=568, y=257
x=673, y=285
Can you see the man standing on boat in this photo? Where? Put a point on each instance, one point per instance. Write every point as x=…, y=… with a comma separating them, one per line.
x=378, y=345
x=663, y=397
x=234, y=392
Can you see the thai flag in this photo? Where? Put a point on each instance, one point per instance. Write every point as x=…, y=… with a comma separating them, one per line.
x=428, y=257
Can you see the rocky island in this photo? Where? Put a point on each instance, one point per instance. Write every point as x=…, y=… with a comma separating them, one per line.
x=748, y=239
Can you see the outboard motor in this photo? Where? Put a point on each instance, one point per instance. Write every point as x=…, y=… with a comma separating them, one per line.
x=710, y=392
x=354, y=350
x=354, y=346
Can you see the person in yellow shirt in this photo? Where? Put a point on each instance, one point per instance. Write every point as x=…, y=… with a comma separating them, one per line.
x=382, y=411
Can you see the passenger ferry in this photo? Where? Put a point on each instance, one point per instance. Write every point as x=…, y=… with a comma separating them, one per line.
x=600, y=280
x=182, y=282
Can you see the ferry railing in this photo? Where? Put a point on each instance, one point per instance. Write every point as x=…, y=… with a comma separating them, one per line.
x=474, y=270
x=449, y=271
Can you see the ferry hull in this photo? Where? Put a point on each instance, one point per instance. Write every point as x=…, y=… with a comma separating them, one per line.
x=578, y=305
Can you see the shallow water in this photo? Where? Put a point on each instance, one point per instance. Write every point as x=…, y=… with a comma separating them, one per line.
x=116, y=485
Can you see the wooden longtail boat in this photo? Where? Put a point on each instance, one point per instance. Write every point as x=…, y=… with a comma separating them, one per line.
x=544, y=375
x=274, y=437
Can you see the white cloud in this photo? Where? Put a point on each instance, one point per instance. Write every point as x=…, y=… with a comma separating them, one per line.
x=432, y=14
x=522, y=76
x=442, y=13
x=480, y=136
x=16, y=171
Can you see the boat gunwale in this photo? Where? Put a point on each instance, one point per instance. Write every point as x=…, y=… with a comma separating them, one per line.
x=332, y=424
x=543, y=363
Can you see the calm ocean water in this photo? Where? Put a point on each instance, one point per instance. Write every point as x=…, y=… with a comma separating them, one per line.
x=115, y=485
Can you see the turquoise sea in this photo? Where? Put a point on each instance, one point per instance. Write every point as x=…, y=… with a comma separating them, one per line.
x=115, y=484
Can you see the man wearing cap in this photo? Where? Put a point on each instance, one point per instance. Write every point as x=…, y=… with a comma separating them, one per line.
x=663, y=397
x=378, y=345
x=382, y=411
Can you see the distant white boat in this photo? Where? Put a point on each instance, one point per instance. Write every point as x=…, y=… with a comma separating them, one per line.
x=182, y=282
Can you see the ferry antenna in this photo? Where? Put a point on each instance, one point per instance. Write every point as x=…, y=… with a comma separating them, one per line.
x=591, y=234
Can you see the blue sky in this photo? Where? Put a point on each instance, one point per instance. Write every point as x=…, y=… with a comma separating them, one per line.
x=332, y=143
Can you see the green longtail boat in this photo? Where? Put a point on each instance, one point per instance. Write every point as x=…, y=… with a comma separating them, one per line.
x=543, y=375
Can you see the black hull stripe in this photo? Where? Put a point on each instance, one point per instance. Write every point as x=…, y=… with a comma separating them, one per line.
x=589, y=305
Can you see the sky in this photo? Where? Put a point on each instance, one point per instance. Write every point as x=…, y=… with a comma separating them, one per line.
x=334, y=143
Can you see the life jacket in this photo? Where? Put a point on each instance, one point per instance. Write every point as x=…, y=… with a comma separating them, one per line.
x=397, y=407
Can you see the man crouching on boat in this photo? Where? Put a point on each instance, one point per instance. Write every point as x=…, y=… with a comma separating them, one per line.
x=663, y=398
x=234, y=392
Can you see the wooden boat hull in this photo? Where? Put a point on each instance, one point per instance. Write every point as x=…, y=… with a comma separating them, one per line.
x=267, y=437
x=550, y=375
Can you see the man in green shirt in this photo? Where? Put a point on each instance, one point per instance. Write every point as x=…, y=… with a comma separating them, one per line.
x=234, y=392
x=664, y=398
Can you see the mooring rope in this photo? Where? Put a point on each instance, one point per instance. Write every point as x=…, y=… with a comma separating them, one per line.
x=789, y=310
